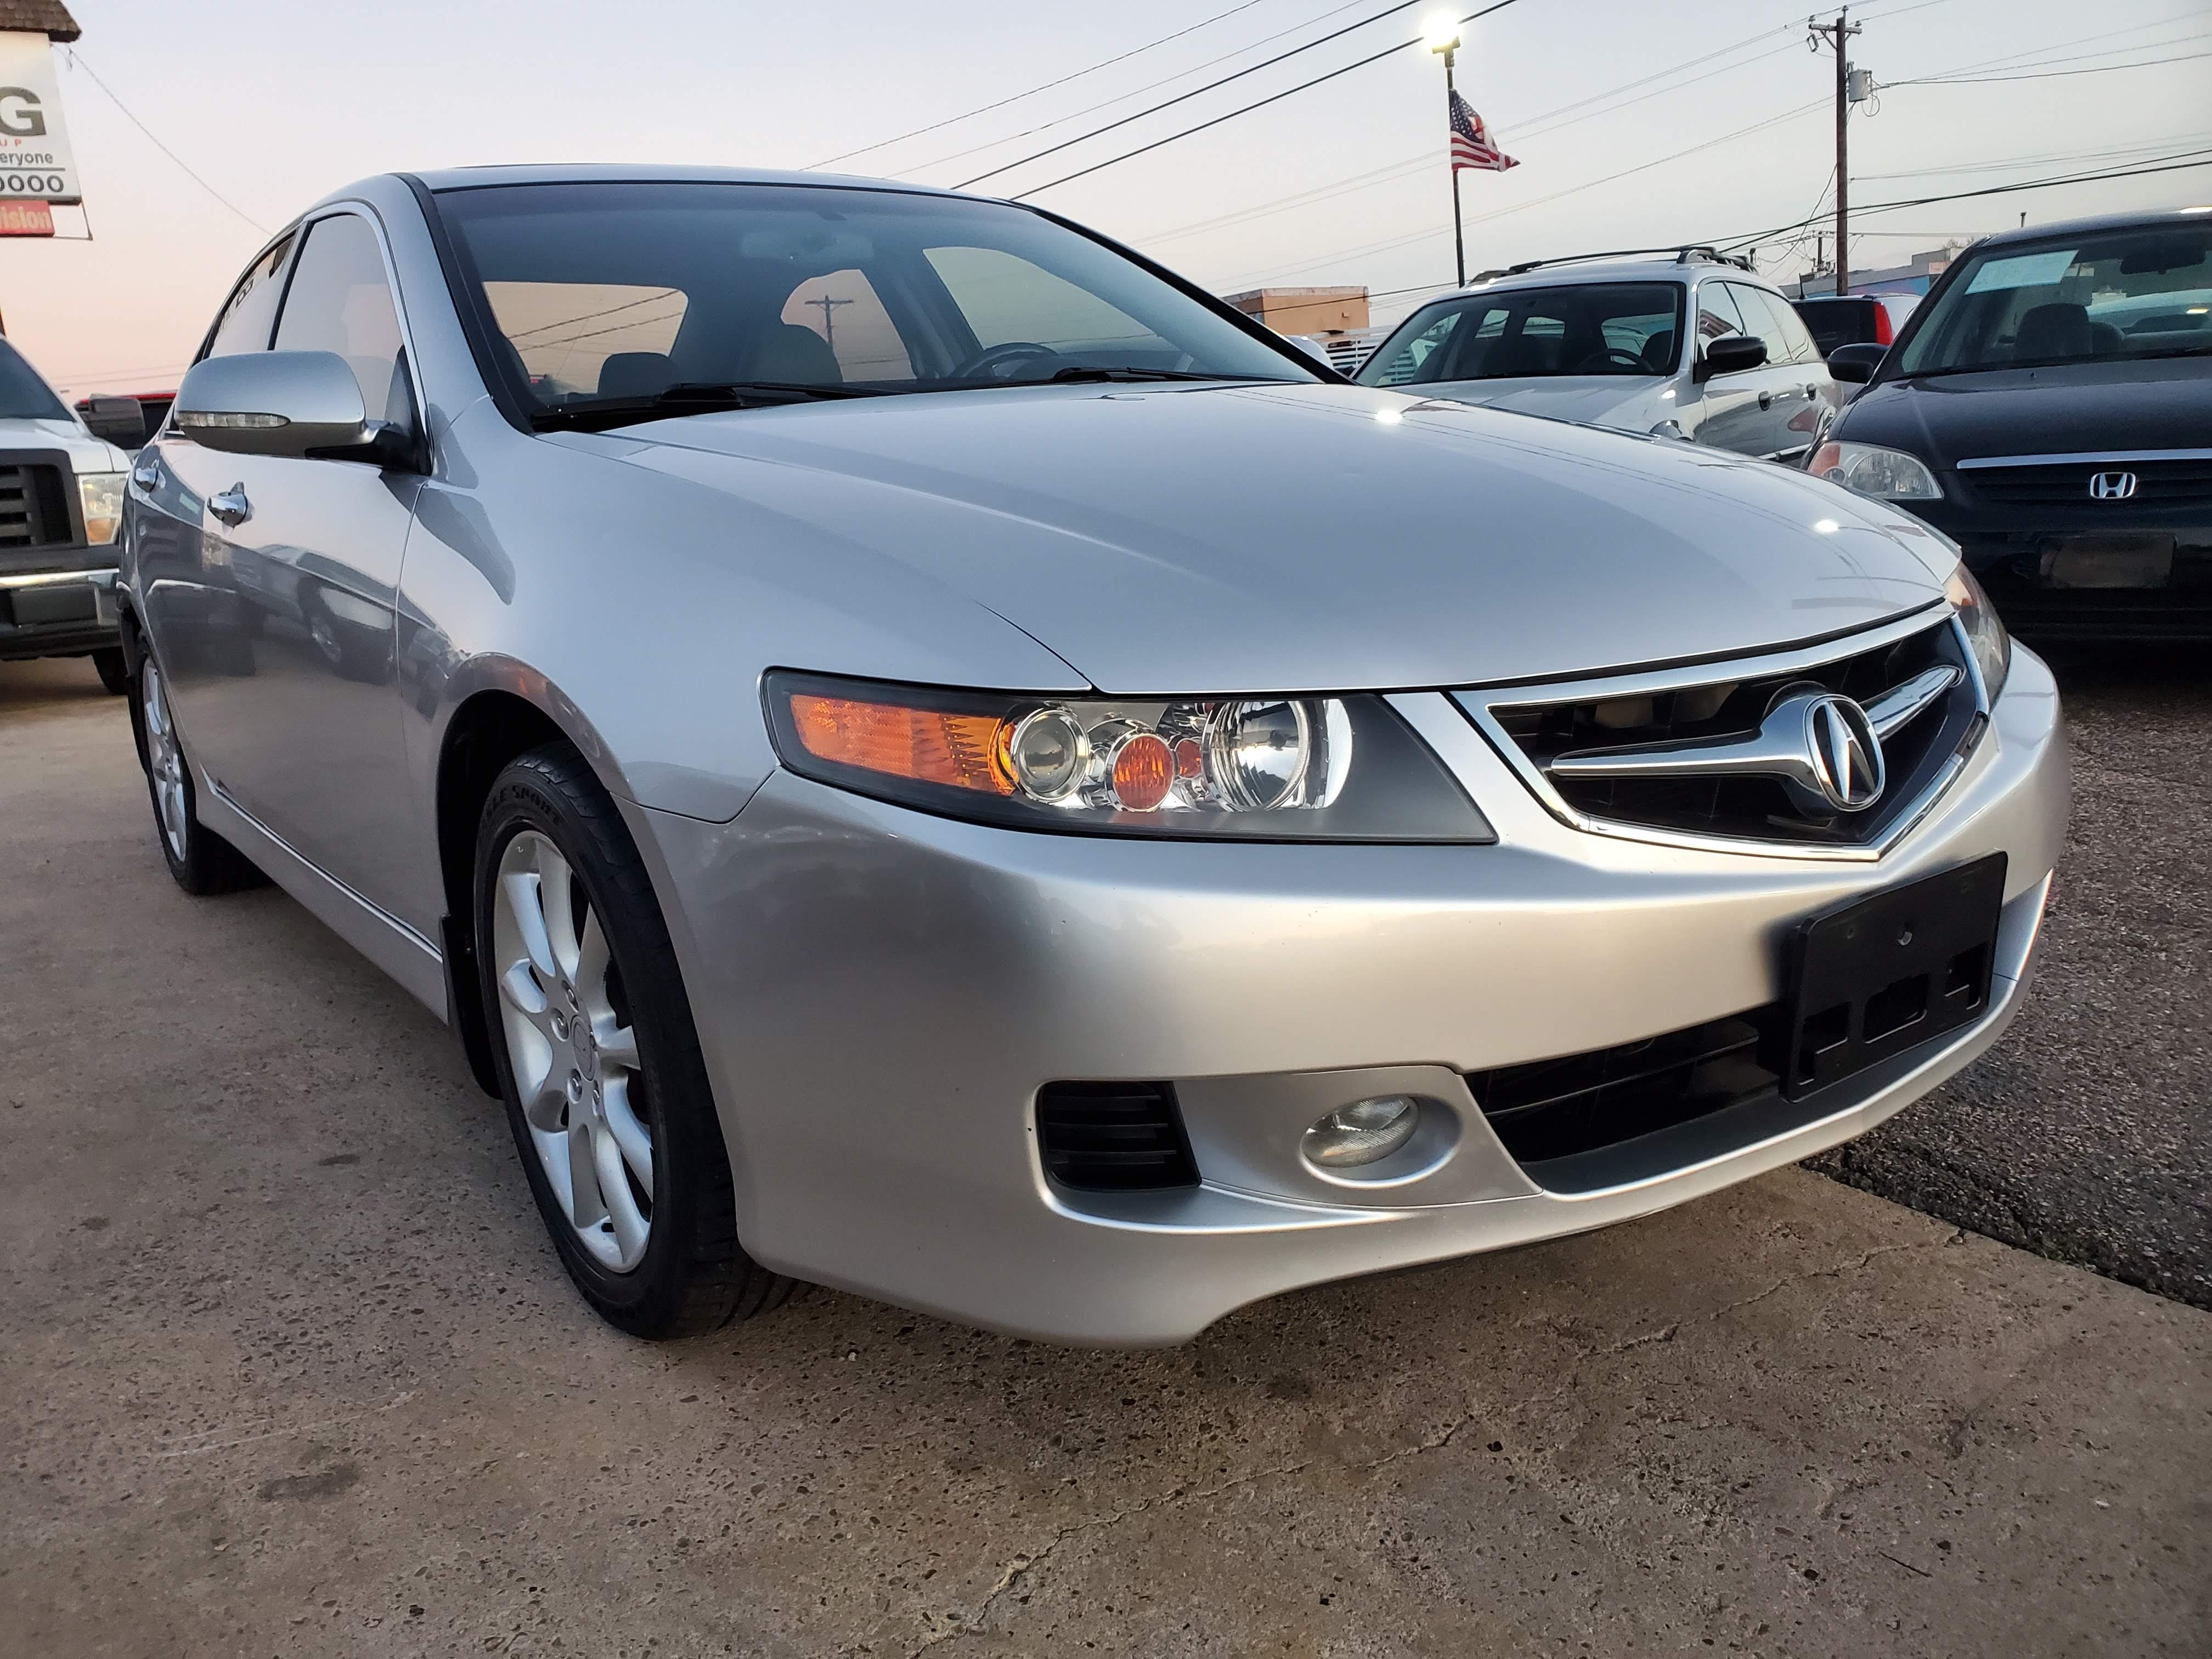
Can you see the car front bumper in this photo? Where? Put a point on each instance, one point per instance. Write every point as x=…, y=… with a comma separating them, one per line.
x=60, y=612
x=882, y=994
x=2009, y=549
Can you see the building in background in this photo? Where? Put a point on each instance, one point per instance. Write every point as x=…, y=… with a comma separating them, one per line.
x=1914, y=277
x=1317, y=311
x=1333, y=320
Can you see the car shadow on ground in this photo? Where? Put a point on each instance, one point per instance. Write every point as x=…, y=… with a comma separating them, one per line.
x=48, y=683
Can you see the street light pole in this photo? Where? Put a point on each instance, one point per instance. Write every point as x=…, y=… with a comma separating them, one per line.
x=1442, y=36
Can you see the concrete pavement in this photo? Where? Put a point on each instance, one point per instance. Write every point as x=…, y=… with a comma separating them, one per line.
x=286, y=1367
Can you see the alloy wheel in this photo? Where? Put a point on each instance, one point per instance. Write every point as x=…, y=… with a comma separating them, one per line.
x=572, y=1051
x=165, y=761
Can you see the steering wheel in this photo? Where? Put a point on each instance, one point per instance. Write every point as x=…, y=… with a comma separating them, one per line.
x=1614, y=354
x=980, y=365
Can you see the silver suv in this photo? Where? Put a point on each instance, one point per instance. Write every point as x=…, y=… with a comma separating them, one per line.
x=1606, y=341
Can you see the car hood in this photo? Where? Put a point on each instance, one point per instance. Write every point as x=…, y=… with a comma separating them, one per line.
x=1312, y=536
x=2076, y=409
x=86, y=454
x=1619, y=400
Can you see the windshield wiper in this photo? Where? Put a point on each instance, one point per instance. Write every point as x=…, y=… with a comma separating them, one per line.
x=1080, y=372
x=2060, y=362
x=688, y=398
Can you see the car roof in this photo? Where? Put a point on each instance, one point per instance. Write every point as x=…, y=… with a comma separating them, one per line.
x=2143, y=219
x=1649, y=268
x=554, y=172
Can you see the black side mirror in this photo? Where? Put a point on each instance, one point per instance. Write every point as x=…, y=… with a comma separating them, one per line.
x=1854, y=364
x=1731, y=353
x=121, y=421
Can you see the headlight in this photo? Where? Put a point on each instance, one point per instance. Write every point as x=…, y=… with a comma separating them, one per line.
x=1888, y=475
x=1985, y=632
x=102, y=495
x=1275, y=769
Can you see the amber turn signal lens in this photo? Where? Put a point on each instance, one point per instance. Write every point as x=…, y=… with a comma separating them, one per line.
x=1144, y=770
x=927, y=744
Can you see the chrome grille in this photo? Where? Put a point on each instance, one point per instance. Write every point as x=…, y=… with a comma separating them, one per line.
x=2159, y=482
x=1650, y=717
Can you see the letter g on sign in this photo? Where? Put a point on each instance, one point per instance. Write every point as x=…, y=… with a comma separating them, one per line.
x=20, y=116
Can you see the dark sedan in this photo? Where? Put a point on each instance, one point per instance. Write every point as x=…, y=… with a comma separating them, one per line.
x=2050, y=408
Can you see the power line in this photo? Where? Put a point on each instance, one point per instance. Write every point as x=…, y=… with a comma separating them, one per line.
x=1535, y=126
x=2125, y=152
x=1182, y=97
x=2046, y=75
x=77, y=61
x=954, y=120
x=2168, y=164
x=1591, y=184
x=1262, y=103
x=1124, y=97
x=2031, y=60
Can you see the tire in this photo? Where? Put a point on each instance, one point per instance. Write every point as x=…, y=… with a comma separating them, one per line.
x=600, y=1035
x=114, y=669
x=203, y=862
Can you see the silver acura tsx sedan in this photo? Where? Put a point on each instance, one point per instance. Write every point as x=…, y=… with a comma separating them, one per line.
x=918, y=752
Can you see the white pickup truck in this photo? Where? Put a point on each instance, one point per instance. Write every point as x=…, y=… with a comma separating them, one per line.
x=61, y=508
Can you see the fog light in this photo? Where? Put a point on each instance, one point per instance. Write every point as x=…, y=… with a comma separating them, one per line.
x=1362, y=1133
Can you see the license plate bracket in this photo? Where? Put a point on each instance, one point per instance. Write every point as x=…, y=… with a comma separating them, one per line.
x=2108, y=562
x=1888, y=972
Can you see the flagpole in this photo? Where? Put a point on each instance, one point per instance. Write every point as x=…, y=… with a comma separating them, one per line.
x=1441, y=31
x=1459, y=235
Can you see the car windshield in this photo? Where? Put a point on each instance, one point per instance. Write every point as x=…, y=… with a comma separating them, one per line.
x=23, y=395
x=1590, y=328
x=702, y=294
x=2118, y=295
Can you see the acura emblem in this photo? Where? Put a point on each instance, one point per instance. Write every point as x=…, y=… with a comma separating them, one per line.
x=2112, y=486
x=1845, y=755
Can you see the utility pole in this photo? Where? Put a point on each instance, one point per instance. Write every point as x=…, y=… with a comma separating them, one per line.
x=829, y=318
x=1837, y=36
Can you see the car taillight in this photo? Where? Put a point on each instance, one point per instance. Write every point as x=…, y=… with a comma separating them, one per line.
x=1883, y=334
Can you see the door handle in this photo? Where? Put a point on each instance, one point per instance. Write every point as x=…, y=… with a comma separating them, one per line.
x=1766, y=401
x=231, y=506
x=146, y=474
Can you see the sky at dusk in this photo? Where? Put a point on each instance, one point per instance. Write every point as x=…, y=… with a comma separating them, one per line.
x=274, y=104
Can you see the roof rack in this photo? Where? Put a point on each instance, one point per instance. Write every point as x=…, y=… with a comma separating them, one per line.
x=1683, y=255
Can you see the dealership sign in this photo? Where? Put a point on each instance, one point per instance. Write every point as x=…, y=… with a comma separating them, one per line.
x=35, y=163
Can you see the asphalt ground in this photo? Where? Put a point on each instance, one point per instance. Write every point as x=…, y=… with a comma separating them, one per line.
x=2086, y=1134
x=287, y=1366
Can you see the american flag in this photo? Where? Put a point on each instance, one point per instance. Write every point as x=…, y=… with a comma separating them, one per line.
x=1470, y=142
